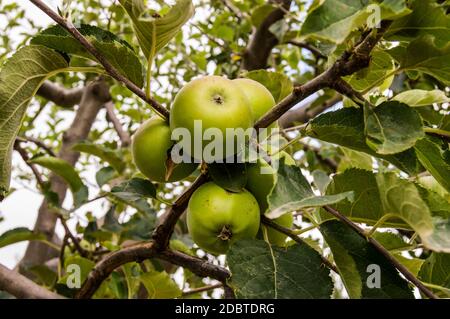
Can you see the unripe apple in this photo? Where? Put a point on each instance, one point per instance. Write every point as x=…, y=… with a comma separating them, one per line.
x=150, y=147
x=261, y=100
x=216, y=104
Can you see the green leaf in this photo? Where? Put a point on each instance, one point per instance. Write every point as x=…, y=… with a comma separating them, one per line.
x=140, y=226
x=333, y=20
x=67, y=172
x=353, y=255
x=435, y=271
x=399, y=203
x=118, y=52
x=381, y=64
x=428, y=17
x=261, y=271
x=354, y=159
x=391, y=241
x=232, y=177
x=277, y=83
x=435, y=160
x=136, y=188
x=425, y=56
x=135, y=193
x=293, y=192
x=421, y=97
x=159, y=285
x=392, y=127
x=108, y=155
x=153, y=32
x=20, y=78
x=132, y=272
x=412, y=264
x=19, y=234
x=439, y=240
x=345, y=127
x=104, y=175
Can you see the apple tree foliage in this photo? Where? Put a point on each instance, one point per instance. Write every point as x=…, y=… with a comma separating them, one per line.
x=383, y=163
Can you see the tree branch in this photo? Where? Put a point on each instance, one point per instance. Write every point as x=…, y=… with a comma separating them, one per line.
x=141, y=252
x=164, y=231
x=112, y=71
x=262, y=41
x=60, y=95
x=22, y=287
x=124, y=137
x=402, y=269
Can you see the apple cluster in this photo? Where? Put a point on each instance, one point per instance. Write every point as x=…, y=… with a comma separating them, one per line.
x=216, y=217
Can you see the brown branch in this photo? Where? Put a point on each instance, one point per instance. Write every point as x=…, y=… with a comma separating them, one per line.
x=295, y=238
x=141, y=252
x=60, y=95
x=106, y=266
x=198, y=266
x=22, y=287
x=124, y=137
x=164, y=231
x=38, y=142
x=299, y=93
x=112, y=71
x=262, y=41
x=402, y=269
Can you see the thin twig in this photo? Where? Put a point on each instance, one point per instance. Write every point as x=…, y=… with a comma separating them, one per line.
x=33, y=167
x=124, y=136
x=309, y=47
x=402, y=269
x=75, y=241
x=38, y=142
x=112, y=71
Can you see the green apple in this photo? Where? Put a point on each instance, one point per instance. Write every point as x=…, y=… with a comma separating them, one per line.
x=215, y=103
x=216, y=218
x=261, y=100
x=150, y=146
x=260, y=185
